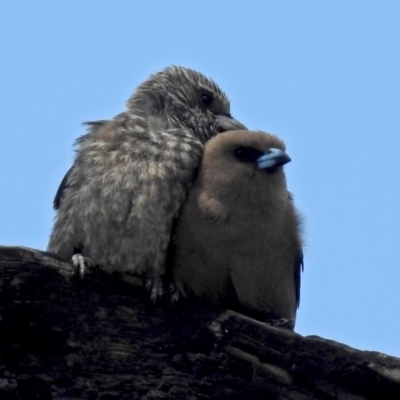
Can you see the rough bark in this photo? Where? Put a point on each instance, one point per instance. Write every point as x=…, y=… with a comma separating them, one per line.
x=99, y=338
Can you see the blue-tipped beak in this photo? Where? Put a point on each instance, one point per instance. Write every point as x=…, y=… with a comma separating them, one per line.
x=274, y=158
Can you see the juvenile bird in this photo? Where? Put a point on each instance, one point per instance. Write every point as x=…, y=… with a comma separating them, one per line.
x=237, y=240
x=117, y=202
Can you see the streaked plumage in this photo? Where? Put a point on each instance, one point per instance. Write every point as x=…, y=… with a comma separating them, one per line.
x=117, y=202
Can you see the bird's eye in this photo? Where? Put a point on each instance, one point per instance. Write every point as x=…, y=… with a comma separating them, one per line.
x=206, y=99
x=247, y=154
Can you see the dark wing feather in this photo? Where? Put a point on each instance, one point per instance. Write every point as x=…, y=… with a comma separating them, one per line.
x=298, y=269
x=61, y=189
x=93, y=126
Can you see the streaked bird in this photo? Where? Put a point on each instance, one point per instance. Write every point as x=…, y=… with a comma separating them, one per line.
x=237, y=241
x=116, y=204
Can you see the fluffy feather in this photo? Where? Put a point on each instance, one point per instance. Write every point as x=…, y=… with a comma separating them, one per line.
x=237, y=240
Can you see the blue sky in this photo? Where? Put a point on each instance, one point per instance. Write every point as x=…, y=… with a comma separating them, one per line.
x=324, y=76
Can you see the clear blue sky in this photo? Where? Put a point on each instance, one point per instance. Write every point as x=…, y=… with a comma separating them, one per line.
x=324, y=76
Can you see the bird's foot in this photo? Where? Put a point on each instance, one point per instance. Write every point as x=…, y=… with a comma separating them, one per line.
x=154, y=286
x=81, y=263
x=282, y=323
x=174, y=293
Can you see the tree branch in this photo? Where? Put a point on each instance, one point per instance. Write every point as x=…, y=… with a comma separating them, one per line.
x=99, y=338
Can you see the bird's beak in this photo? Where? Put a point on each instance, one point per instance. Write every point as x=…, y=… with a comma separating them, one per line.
x=274, y=158
x=227, y=123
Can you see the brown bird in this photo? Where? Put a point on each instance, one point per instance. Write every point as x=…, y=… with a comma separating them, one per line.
x=237, y=240
x=117, y=202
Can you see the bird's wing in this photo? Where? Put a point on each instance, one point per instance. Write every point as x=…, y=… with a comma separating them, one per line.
x=299, y=262
x=298, y=269
x=93, y=126
x=61, y=189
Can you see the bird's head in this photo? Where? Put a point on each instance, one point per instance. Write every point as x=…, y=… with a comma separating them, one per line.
x=244, y=162
x=179, y=97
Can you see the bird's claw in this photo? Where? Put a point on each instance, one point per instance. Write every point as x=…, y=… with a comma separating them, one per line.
x=282, y=323
x=174, y=293
x=154, y=286
x=81, y=263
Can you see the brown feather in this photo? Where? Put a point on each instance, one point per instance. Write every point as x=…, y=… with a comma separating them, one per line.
x=117, y=203
x=238, y=230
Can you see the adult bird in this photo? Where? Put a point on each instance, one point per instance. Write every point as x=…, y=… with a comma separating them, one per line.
x=116, y=204
x=237, y=240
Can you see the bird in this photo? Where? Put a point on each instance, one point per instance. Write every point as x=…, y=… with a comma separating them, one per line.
x=116, y=204
x=238, y=240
